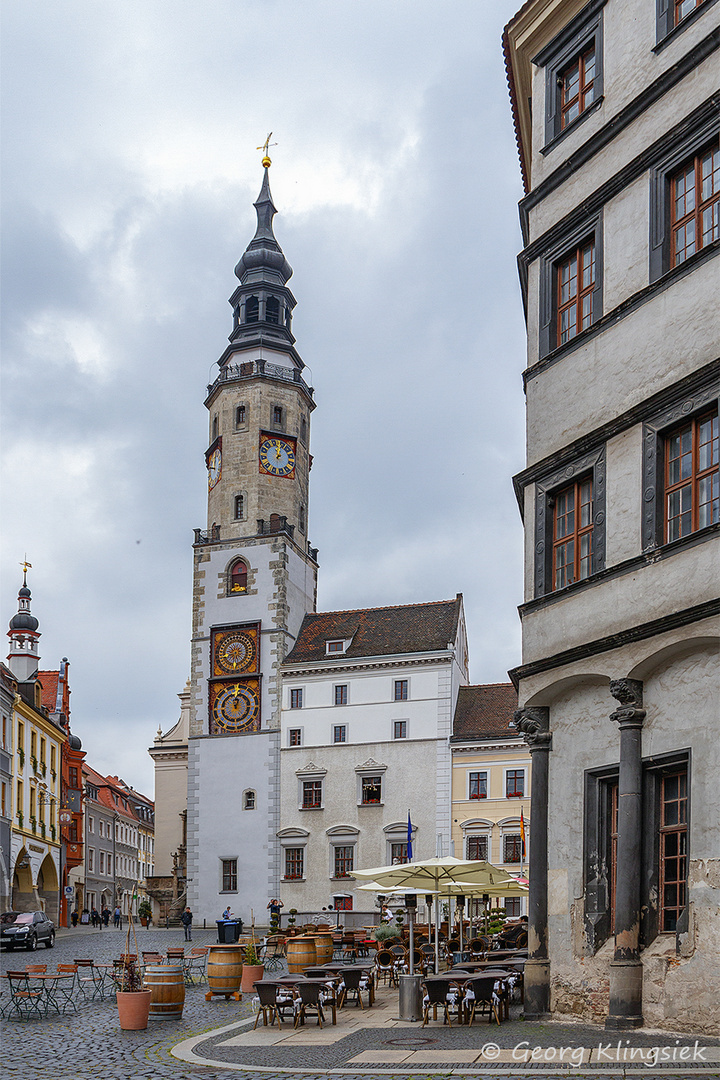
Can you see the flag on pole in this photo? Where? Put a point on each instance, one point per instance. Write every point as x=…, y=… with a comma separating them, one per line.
x=409, y=840
x=522, y=833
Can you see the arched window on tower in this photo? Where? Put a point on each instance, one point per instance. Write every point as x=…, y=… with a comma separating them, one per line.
x=237, y=577
x=249, y=800
x=252, y=309
x=272, y=310
x=239, y=507
x=214, y=428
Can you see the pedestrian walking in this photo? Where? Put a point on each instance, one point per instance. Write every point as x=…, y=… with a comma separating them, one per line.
x=106, y=916
x=117, y=917
x=94, y=917
x=186, y=920
x=74, y=917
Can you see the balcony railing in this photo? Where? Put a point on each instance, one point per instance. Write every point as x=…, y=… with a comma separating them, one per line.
x=251, y=368
x=274, y=526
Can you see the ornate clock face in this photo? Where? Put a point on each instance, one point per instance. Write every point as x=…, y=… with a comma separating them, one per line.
x=214, y=467
x=236, y=708
x=235, y=652
x=277, y=457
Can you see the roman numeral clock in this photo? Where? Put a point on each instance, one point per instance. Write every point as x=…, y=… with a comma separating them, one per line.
x=235, y=683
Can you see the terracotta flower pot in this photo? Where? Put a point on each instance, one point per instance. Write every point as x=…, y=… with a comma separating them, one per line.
x=133, y=1009
x=250, y=974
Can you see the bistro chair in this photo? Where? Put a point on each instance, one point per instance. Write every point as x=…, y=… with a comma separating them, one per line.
x=175, y=954
x=195, y=966
x=64, y=990
x=272, y=954
x=267, y=1007
x=479, y=946
x=385, y=967
x=25, y=1000
x=436, y=993
x=356, y=981
x=310, y=1002
x=337, y=940
x=479, y=994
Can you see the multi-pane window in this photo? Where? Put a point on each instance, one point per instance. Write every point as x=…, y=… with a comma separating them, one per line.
x=371, y=790
x=339, y=733
x=683, y=8
x=229, y=875
x=238, y=577
x=341, y=695
x=277, y=414
x=295, y=736
x=695, y=205
x=239, y=415
x=512, y=848
x=312, y=794
x=514, y=783
x=673, y=849
x=294, y=863
x=512, y=907
x=575, y=286
x=478, y=785
x=343, y=861
x=296, y=700
x=399, y=729
x=343, y=903
x=102, y=862
x=692, y=480
x=239, y=507
x=335, y=646
x=572, y=533
x=249, y=800
x=577, y=86
x=398, y=854
x=91, y=860
x=477, y=847
x=401, y=689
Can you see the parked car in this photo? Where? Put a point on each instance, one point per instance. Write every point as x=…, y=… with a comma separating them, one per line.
x=26, y=930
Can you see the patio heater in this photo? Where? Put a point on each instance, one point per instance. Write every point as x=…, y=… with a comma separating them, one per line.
x=460, y=905
x=410, y=995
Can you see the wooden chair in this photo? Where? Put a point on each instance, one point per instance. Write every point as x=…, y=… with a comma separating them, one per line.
x=309, y=1002
x=195, y=966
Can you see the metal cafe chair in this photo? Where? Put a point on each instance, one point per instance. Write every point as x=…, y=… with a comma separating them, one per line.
x=64, y=991
x=26, y=1000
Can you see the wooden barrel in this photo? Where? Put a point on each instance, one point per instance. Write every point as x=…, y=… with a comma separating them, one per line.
x=301, y=953
x=167, y=985
x=224, y=968
x=323, y=948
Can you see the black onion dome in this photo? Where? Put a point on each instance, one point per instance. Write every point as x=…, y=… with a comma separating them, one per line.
x=24, y=591
x=23, y=621
x=263, y=251
x=75, y=743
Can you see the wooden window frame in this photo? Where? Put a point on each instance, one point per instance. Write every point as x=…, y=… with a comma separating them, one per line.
x=696, y=477
x=514, y=774
x=576, y=39
x=228, y=872
x=700, y=206
x=237, y=577
x=343, y=903
x=585, y=86
x=296, y=698
x=370, y=784
x=312, y=794
x=339, y=733
x=400, y=729
x=516, y=840
x=343, y=860
x=340, y=694
x=589, y=233
x=480, y=842
x=574, y=537
x=671, y=21
x=294, y=864
x=579, y=304
x=401, y=689
x=398, y=853
x=478, y=779
x=239, y=508
x=669, y=914
x=295, y=737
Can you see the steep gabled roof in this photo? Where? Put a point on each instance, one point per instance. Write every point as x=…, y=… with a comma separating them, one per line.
x=386, y=631
x=484, y=712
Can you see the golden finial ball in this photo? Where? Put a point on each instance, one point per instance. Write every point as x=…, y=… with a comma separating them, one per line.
x=266, y=162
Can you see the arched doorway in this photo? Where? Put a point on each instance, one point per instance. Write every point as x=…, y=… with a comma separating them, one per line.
x=23, y=894
x=48, y=889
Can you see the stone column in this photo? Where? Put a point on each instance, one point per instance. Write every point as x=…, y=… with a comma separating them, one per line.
x=626, y=970
x=534, y=723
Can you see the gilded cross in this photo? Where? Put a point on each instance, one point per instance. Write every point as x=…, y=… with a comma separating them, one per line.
x=265, y=146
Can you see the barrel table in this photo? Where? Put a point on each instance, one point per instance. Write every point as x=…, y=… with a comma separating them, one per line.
x=167, y=983
x=301, y=953
x=323, y=948
x=224, y=971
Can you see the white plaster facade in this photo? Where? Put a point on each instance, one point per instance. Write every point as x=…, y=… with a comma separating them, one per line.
x=605, y=405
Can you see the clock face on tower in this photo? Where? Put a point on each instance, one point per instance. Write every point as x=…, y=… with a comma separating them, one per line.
x=235, y=707
x=277, y=455
x=235, y=652
x=214, y=467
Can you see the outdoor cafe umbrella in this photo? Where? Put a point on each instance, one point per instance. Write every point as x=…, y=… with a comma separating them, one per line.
x=432, y=875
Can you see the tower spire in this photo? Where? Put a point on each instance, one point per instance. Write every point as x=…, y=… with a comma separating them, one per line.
x=24, y=634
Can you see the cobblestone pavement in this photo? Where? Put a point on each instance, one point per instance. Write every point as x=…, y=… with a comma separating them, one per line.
x=90, y=1043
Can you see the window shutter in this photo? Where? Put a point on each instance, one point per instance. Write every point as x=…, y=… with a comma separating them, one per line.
x=664, y=18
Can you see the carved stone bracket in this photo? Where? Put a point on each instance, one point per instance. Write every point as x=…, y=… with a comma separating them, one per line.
x=629, y=692
x=534, y=724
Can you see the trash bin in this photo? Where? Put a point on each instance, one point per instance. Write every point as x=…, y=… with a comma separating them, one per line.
x=410, y=997
x=225, y=932
x=237, y=929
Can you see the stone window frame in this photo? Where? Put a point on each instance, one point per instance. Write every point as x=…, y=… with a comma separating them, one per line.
x=584, y=30
x=310, y=774
x=242, y=496
x=293, y=839
x=655, y=431
x=406, y=734
x=241, y=424
x=661, y=177
x=370, y=770
x=345, y=737
x=342, y=836
x=479, y=773
x=229, y=859
x=341, y=694
x=589, y=229
x=591, y=463
x=301, y=736
x=396, y=833
x=249, y=799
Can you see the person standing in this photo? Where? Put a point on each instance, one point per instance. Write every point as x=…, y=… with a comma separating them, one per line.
x=74, y=917
x=117, y=917
x=106, y=916
x=186, y=919
x=275, y=907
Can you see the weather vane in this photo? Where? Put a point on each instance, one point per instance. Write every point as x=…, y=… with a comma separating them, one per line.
x=27, y=565
x=266, y=157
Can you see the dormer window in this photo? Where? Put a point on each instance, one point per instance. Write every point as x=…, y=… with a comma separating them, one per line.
x=252, y=309
x=335, y=647
x=272, y=310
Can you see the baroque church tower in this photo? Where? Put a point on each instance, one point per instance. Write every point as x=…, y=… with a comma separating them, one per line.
x=255, y=577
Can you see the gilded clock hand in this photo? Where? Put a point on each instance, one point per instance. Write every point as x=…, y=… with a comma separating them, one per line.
x=277, y=452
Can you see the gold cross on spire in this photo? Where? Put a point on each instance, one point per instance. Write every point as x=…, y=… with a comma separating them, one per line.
x=26, y=566
x=266, y=157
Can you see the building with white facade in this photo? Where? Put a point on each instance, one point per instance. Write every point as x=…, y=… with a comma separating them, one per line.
x=368, y=699
x=617, y=112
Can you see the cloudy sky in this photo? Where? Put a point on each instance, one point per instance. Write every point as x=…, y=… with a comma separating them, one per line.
x=130, y=171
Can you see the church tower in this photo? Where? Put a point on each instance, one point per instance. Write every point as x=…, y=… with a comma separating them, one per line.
x=255, y=577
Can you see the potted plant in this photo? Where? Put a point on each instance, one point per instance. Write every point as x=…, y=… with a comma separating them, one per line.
x=133, y=1000
x=33, y=824
x=291, y=921
x=252, y=969
x=34, y=763
x=144, y=911
x=386, y=932
x=20, y=819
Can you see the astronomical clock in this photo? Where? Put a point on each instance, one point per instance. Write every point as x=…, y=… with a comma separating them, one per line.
x=234, y=698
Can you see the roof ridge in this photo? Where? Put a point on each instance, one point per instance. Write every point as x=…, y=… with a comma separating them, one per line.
x=473, y=686
x=382, y=607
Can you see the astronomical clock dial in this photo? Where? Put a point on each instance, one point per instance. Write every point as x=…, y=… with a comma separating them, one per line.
x=214, y=467
x=235, y=708
x=277, y=457
x=235, y=653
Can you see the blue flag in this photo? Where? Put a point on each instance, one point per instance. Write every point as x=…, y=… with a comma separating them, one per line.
x=409, y=839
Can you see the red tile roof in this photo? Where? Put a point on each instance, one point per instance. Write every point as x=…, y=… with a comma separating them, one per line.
x=484, y=712
x=109, y=785
x=386, y=631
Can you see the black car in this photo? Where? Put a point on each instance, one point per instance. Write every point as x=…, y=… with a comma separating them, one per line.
x=26, y=930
